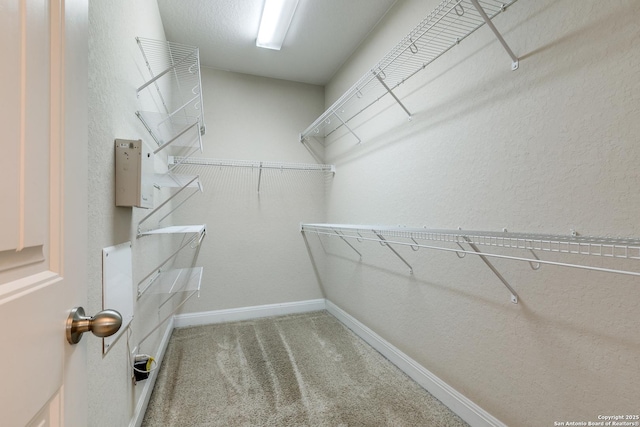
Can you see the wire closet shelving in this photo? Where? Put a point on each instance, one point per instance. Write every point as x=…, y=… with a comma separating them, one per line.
x=446, y=26
x=254, y=164
x=172, y=105
x=171, y=109
x=484, y=243
x=185, y=281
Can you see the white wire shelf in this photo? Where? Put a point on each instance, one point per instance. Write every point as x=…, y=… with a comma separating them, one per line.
x=179, y=280
x=182, y=182
x=172, y=110
x=253, y=164
x=176, y=229
x=172, y=180
x=481, y=244
x=177, y=138
x=172, y=97
x=626, y=248
x=446, y=26
x=195, y=279
x=173, y=281
x=257, y=165
x=194, y=235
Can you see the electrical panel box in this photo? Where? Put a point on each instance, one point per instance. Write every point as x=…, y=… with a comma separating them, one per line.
x=134, y=174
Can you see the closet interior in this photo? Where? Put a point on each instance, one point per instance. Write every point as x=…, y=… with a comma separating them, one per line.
x=464, y=205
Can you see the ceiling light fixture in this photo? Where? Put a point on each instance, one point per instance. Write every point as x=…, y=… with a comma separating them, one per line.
x=275, y=22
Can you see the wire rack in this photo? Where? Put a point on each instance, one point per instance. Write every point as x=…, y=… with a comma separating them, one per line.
x=253, y=164
x=260, y=166
x=482, y=244
x=182, y=281
x=446, y=26
x=607, y=247
x=172, y=97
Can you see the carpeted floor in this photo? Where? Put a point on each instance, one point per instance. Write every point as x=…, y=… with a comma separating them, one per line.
x=297, y=370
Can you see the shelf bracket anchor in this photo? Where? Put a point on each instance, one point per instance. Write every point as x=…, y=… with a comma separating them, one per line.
x=514, y=295
x=384, y=242
x=487, y=20
x=381, y=80
x=347, y=242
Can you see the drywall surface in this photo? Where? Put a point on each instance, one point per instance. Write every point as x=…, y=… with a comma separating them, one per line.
x=116, y=69
x=254, y=253
x=548, y=148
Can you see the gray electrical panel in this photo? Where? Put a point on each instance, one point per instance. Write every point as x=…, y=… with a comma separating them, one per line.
x=134, y=174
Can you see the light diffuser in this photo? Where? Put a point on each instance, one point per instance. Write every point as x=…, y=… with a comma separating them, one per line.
x=275, y=22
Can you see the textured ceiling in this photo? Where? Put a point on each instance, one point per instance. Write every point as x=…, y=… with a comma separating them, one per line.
x=322, y=36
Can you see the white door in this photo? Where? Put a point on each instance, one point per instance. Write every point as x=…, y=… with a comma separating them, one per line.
x=43, y=139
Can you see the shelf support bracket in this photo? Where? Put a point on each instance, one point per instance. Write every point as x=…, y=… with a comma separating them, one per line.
x=391, y=93
x=175, y=208
x=335, y=113
x=514, y=295
x=151, y=277
x=487, y=20
x=175, y=138
x=260, y=177
x=171, y=68
x=384, y=242
x=347, y=242
x=197, y=177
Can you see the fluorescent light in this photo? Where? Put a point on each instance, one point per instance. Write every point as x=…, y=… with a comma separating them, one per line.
x=276, y=18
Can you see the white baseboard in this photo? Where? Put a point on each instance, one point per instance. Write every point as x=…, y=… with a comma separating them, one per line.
x=143, y=401
x=247, y=313
x=462, y=406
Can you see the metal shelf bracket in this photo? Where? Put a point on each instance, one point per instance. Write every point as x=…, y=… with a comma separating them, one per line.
x=514, y=295
x=335, y=113
x=384, y=242
x=380, y=78
x=621, y=248
x=444, y=28
x=350, y=245
x=487, y=20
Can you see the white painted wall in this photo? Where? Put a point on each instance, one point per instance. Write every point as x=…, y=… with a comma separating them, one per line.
x=254, y=253
x=547, y=148
x=115, y=71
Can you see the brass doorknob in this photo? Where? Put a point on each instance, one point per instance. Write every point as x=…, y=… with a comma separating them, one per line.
x=103, y=324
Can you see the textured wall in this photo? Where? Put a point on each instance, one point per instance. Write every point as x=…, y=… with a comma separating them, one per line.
x=547, y=148
x=115, y=71
x=253, y=253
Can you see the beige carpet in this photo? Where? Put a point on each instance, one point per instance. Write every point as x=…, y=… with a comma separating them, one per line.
x=298, y=370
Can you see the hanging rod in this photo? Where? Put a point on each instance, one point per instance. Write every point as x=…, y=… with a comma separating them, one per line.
x=252, y=164
x=260, y=166
x=607, y=247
